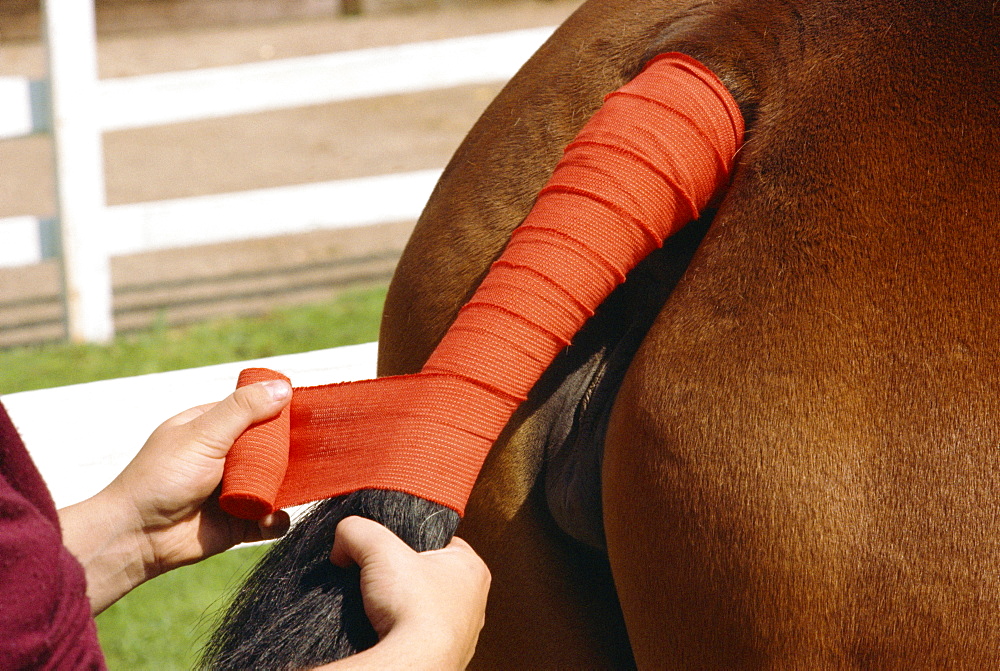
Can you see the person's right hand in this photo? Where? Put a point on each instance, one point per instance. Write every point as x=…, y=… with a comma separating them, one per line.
x=427, y=608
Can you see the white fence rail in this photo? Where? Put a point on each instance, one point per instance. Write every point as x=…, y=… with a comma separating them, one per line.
x=81, y=436
x=202, y=220
x=130, y=102
x=25, y=107
x=174, y=97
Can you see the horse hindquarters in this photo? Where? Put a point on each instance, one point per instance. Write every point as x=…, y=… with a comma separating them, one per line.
x=800, y=470
x=740, y=447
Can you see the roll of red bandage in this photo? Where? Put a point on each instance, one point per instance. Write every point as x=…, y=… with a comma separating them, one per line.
x=649, y=160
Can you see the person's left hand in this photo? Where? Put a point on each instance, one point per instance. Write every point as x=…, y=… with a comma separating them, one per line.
x=162, y=511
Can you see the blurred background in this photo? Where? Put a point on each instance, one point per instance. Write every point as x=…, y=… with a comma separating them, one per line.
x=190, y=306
x=313, y=144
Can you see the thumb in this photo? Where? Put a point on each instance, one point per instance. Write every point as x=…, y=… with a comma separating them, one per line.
x=358, y=540
x=219, y=427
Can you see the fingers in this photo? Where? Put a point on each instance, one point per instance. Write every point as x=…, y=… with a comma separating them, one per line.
x=220, y=425
x=460, y=545
x=274, y=525
x=434, y=601
x=471, y=560
x=357, y=539
x=268, y=528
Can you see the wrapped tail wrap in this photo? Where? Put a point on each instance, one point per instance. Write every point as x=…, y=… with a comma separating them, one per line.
x=649, y=160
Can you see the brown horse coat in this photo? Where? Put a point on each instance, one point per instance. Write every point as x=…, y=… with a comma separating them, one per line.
x=801, y=466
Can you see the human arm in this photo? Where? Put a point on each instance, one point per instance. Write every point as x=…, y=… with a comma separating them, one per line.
x=162, y=511
x=427, y=608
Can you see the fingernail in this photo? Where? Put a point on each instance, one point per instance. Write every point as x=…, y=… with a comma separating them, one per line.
x=278, y=390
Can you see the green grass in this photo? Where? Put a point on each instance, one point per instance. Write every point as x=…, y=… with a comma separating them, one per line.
x=352, y=317
x=163, y=624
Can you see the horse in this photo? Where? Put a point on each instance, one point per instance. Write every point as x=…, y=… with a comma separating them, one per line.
x=777, y=443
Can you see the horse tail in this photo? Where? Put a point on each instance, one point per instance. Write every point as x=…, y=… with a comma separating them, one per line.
x=296, y=608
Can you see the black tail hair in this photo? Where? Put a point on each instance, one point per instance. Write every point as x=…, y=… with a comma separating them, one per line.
x=296, y=609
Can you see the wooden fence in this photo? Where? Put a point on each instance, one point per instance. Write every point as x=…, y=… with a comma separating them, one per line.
x=76, y=108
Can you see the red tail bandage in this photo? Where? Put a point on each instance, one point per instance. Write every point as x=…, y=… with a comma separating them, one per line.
x=652, y=157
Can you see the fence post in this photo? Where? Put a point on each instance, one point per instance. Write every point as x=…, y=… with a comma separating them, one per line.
x=351, y=7
x=71, y=45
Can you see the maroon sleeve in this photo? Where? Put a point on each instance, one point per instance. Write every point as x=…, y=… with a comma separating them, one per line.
x=44, y=613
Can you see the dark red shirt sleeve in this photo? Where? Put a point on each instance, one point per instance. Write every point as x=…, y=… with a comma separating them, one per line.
x=45, y=620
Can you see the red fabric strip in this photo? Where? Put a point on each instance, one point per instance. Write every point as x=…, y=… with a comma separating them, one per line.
x=649, y=160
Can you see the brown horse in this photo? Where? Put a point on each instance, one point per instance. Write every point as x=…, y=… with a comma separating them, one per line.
x=800, y=468
x=778, y=443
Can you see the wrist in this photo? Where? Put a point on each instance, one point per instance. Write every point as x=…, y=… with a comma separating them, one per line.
x=405, y=647
x=421, y=647
x=107, y=538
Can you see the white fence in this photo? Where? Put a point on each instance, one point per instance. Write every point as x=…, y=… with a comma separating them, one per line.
x=81, y=436
x=76, y=107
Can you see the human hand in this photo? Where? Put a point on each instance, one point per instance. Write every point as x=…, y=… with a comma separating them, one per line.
x=171, y=481
x=162, y=511
x=427, y=608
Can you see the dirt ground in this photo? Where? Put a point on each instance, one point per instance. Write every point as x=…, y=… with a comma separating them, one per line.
x=310, y=144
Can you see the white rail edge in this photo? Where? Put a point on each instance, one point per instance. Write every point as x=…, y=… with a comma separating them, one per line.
x=81, y=436
x=230, y=217
x=189, y=95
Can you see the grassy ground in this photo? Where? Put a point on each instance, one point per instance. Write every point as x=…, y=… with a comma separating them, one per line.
x=162, y=624
x=352, y=317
